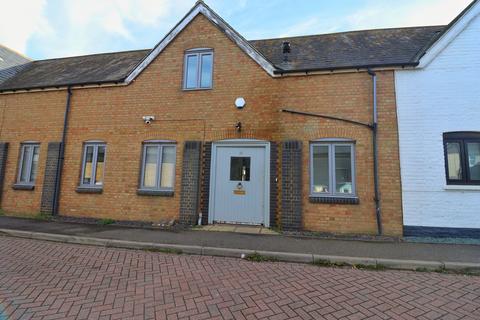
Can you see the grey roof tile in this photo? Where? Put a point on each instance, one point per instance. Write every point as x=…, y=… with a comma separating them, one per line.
x=10, y=62
x=372, y=48
x=381, y=47
x=90, y=69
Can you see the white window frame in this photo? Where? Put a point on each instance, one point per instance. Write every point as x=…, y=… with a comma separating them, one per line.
x=23, y=147
x=331, y=144
x=160, y=146
x=95, y=146
x=199, y=53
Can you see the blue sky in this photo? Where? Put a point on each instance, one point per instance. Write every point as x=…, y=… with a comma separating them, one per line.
x=55, y=28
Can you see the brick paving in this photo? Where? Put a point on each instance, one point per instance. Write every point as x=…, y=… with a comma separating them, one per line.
x=45, y=280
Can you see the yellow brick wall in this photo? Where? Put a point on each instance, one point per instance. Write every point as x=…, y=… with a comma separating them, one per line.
x=114, y=115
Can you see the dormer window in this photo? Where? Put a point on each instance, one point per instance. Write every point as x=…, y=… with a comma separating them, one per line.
x=198, y=67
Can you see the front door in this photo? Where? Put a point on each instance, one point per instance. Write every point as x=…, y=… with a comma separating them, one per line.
x=239, y=185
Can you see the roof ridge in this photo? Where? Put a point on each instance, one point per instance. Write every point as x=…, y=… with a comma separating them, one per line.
x=16, y=52
x=90, y=55
x=344, y=32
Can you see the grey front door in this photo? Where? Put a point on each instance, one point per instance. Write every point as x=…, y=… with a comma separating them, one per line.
x=239, y=185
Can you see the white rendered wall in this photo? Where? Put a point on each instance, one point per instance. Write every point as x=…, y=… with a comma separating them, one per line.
x=442, y=97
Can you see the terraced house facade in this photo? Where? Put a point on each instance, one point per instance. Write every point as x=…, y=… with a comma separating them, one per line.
x=296, y=133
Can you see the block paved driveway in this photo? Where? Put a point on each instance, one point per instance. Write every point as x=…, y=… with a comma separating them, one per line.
x=46, y=280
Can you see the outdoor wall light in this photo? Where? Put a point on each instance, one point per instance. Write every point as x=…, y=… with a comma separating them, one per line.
x=240, y=103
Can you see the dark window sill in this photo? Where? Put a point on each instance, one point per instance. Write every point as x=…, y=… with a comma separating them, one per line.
x=155, y=193
x=89, y=190
x=334, y=200
x=26, y=187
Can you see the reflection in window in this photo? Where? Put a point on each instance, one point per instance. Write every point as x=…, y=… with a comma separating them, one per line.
x=198, y=69
x=240, y=169
x=454, y=161
x=473, y=149
x=332, y=167
x=93, y=166
x=462, y=157
x=158, y=168
x=321, y=170
x=28, y=165
x=343, y=169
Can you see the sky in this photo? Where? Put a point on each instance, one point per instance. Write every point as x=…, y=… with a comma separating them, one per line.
x=43, y=29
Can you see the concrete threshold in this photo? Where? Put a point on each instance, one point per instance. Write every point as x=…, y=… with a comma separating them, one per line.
x=242, y=253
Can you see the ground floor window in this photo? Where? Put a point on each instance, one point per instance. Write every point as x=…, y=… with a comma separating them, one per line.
x=93, y=165
x=158, y=166
x=462, y=157
x=27, y=168
x=332, y=168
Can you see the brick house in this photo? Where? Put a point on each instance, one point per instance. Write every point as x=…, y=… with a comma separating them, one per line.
x=441, y=166
x=209, y=125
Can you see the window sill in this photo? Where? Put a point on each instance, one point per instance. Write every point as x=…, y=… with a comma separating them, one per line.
x=26, y=187
x=335, y=200
x=196, y=89
x=89, y=190
x=155, y=193
x=462, y=188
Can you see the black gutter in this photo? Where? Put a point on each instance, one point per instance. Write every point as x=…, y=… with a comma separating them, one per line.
x=68, y=85
x=357, y=67
x=378, y=211
x=61, y=155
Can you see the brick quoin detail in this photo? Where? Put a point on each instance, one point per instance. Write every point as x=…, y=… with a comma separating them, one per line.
x=48, y=191
x=3, y=163
x=189, y=197
x=292, y=185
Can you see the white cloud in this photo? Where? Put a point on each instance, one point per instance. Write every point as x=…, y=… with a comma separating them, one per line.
x=384, y=14
x=93, y=22
x=20, y=20
x=52, y=28
x=306, y=27
x=419, y=13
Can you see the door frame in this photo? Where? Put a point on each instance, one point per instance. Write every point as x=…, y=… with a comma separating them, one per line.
x=213, y=172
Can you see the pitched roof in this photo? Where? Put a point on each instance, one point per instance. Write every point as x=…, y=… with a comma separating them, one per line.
x=352, y=50
x=90, y=69
x=10, y=62
x=349, y=50
x=450, y=32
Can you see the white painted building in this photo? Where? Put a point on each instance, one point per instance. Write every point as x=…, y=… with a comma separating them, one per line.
x=439, y=128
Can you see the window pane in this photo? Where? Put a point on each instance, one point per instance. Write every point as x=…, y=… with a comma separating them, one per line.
x=25, y=159
x=150, y=169
x=100, y=166
x=168, y=167
x=343, y=169
x=240, y=169
x=454, y=161
x=87, y=169
x=33, y=172
x=474, y=160
x=321, y=171
x=206, y=77
x=191, y=72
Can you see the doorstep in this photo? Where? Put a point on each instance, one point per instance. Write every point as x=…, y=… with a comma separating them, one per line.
x=236, y=229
